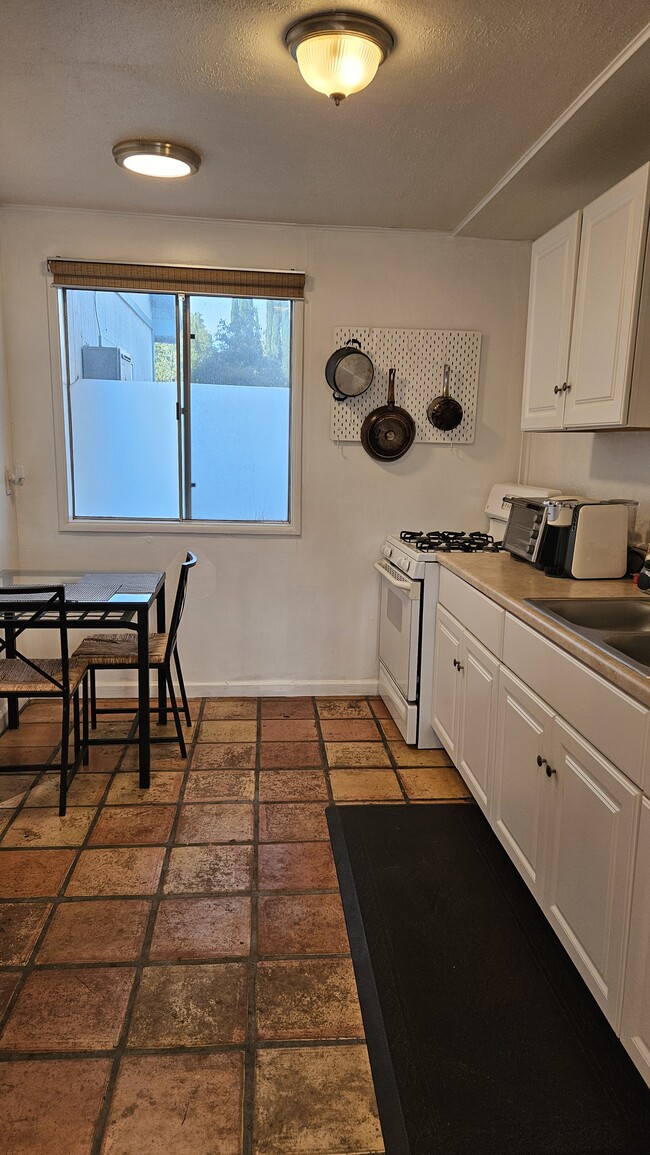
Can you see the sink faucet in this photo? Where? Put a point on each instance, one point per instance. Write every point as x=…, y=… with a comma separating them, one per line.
x=644, y=576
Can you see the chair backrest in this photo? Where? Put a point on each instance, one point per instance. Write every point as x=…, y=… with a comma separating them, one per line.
x=179, y=603
x=25, y=608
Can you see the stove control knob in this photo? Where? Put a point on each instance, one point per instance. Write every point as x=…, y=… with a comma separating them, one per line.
x=406, y=565
x=387, y=550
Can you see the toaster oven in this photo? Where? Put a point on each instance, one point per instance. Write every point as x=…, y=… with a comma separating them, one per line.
x=524, y=533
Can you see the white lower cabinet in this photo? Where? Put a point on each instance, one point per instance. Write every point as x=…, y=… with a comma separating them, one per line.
x=464, y=702
x=520, y=805
x=635, y=1026
x=593, y=814
x=480, y=678
x=567, y=816
x=568, y=820
x=445, y=712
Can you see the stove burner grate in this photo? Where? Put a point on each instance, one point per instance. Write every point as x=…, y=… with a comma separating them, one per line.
x=447, y=541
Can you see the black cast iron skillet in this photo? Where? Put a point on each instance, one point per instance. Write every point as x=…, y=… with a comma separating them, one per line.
x=445, y=412
x=388, y=432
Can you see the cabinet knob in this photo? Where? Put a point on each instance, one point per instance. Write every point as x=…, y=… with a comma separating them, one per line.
x=541, y=761
x=455, y=664
x=557, y=388
x=550, y=771
x=459, y=667
x=566, y=388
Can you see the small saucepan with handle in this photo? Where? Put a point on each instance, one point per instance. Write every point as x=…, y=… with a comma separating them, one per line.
x=388, y=431
x=349, y=371
x=445, y=412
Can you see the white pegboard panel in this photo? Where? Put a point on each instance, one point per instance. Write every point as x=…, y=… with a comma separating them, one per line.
x=419, y=357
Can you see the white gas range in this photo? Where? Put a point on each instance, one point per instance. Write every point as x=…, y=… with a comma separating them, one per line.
x=410, y=578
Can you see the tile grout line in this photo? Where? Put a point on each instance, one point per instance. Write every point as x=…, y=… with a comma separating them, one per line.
x=29, y=967
x=120, y=1050
x=321, y=740
x=250, y=1051
x=389, y=752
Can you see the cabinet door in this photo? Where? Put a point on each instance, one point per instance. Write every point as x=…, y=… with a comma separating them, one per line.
x=520, y=795
x=445, y=707
x=554, y=263
x=479, y=675
x=635, y=1029
x=593, y=822
x=607, y=297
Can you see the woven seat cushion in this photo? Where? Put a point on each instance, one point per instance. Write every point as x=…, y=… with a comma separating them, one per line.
x=119, y=649
x=16, y=677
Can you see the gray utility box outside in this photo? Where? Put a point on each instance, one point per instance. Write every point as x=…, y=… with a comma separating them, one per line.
x=106, y=363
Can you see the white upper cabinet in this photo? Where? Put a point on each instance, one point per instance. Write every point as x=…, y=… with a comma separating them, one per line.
x=582, y=331
x=554, y=264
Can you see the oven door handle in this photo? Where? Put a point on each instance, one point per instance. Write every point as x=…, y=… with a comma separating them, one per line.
x=405, y=585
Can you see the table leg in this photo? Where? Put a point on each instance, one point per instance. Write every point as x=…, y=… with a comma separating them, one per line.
x=13, y=704
x=144, y=727
x=160, y=628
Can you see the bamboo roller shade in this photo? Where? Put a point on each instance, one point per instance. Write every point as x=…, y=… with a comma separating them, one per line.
x=176, y=279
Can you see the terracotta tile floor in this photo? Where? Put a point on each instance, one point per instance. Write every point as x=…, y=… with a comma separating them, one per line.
x=174, y=966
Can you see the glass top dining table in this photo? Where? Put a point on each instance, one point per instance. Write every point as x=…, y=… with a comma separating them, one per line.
x=107, y=601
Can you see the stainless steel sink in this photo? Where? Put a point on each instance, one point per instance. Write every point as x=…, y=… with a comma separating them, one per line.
x=636, y=646
x=615, y=614
x=619, y=626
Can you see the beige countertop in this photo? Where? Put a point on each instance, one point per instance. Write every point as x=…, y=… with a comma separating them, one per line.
x=508, y=582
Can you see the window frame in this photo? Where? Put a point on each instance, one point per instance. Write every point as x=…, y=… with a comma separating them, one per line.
x=63, y=447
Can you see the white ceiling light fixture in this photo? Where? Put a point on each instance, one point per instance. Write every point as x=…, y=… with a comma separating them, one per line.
x=156, y=158
x=338, y=53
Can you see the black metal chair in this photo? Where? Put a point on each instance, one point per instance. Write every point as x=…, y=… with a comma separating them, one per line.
x=24, y=608
x=120, y=652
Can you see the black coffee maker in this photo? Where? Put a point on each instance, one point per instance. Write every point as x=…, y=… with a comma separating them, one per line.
x=555, y=539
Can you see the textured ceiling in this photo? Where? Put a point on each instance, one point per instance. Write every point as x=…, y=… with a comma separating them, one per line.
x=469, y=89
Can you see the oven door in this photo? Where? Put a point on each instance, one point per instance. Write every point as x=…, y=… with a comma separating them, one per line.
x=399, y=628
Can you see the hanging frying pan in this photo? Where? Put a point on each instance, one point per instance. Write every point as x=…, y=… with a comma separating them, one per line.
x=445, y=412
x=388, y=432
x=349, y=371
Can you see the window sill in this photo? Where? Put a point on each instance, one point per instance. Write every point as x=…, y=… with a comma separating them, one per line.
x=213, y=528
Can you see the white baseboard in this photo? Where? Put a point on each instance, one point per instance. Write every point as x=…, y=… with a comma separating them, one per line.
x=291, y=688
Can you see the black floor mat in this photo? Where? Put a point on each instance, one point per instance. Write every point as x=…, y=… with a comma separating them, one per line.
x=483, y=1038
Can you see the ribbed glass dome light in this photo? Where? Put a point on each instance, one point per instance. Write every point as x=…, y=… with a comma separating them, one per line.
x=338, y=53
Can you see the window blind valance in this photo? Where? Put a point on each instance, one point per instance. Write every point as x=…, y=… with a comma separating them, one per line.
x=177, y=279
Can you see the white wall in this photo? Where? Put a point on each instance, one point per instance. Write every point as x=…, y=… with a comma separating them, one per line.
x=285, y=614
x=8, y=534
x=600, y=465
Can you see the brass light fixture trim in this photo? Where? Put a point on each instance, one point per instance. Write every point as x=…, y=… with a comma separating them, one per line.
x=339, y=49
x=156, y=158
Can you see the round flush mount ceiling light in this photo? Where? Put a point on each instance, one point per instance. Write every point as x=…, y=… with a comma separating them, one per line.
x=156, y=158
x=338, y=53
